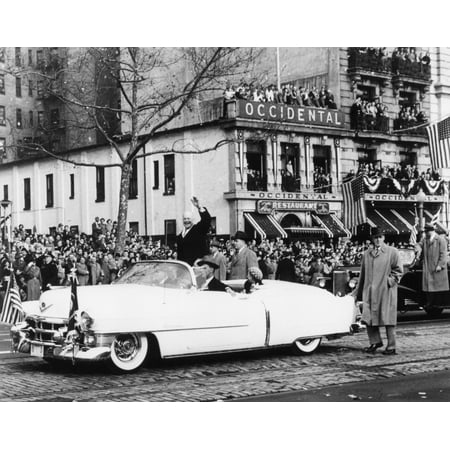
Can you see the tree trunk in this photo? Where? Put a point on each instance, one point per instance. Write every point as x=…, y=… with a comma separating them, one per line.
x=123, y=207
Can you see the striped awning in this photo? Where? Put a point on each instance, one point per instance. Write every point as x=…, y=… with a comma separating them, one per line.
x=265, y=225
x=332, y=225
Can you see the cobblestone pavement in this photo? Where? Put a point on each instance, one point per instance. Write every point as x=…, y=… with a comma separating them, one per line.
x=423, y=347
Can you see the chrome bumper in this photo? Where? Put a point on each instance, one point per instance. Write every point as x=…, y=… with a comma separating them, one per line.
x=21, y=343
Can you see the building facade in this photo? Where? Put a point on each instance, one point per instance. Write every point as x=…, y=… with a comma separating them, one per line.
x=260, y=173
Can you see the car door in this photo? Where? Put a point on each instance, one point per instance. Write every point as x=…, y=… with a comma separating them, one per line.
x=204, y=321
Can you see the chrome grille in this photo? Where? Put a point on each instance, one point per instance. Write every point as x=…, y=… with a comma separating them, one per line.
x=44, y=330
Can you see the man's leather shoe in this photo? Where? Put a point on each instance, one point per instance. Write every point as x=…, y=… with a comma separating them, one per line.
x=373, y=347
x=389, y=351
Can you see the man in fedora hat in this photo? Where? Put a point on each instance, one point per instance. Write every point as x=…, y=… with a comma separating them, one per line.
x=381, y=271
x=217, y=256
x=433, y=255
x=211, y=283
x=191, y=242
x=243, y=259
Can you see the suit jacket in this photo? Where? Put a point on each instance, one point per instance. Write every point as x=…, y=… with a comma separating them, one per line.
x=216, y=285
x=241, y=262
x=221, y=261
x=194, y=244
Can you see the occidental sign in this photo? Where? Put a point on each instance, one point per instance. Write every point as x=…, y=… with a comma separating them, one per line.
x=290, y=113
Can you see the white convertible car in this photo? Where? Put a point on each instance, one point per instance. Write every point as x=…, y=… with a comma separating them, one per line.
x=157, y=308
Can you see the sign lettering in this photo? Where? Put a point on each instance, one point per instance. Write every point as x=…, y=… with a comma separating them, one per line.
x=290, y=113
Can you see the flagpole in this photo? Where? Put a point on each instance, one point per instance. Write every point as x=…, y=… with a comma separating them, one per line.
x=278, y=69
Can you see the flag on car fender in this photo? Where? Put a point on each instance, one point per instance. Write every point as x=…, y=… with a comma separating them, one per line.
x=73, y=304
x=12, y=311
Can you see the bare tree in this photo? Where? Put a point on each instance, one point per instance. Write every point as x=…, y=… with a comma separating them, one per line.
x=124, y=97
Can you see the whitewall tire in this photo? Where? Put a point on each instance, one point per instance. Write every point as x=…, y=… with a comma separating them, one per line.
x=306, y=346
x=129, y=351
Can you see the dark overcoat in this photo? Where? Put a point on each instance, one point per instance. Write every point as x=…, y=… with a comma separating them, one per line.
x=194, y=244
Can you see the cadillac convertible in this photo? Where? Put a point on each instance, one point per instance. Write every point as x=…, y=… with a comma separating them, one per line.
x=159, y=309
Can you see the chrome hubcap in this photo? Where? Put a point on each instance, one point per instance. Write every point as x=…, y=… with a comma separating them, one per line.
x=126, y=347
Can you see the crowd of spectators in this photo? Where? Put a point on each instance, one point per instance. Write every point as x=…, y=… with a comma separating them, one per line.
x=409, y=117
x=398, y=171
x=369, y=115
x=288, y=94
x=322, y=180
x=39, y=261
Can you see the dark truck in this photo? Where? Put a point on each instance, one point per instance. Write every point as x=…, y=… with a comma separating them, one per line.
x=343, y=280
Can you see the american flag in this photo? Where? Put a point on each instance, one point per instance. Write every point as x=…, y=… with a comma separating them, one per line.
x=354, y=205
x=73, y=304
x=413, y=235
x=12, y=311
x=439, y=141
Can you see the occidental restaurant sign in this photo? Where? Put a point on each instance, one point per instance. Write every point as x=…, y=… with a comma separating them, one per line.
x=290, y=113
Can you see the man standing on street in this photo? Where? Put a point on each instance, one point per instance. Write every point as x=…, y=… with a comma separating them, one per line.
x=434, y=262
x=192, y=241
x=243, y=259
x=377, y=288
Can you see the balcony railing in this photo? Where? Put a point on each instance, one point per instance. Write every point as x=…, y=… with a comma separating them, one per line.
x=368, y=122
x=411, y=69
x=368, y=61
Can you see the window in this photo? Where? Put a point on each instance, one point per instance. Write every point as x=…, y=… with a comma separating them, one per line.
x=18, y=57
x=133, y=188
x=170, y=232
x=2, y=116
x=41, y=118
x=134, y=226
x=100, y=184
x=155, y=174
x=290, y=167
x=49, y=190
x=256, y=166
x=2, y=54
x=5, y=192
x=31, y=119
x=2, y=84
x=54, y=117
x=169, y=174
x=30, y=57
x=18, y=118
x=40, y=88
x=39, y=56
x=18, y=87
x=2, y=146
x=72, y=186
x=26, y=193
x=30, y=88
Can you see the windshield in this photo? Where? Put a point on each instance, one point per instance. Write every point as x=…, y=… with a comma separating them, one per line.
x=162, y=274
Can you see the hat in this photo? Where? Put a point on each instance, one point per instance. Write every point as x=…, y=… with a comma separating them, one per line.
x=215, y=243
x=209, y=262
x=376, y=232
x=240, y=235
x=429, y=227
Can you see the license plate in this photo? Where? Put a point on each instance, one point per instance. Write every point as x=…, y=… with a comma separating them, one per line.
x=37, y=350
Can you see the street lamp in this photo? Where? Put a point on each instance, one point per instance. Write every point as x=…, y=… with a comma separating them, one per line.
x=5, y=204
x=421, y=198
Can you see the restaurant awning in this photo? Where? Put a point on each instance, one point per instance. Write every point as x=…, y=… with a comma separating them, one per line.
x=307, y=232
x=376, y=219
x=334, y=227
x=431, y=216
x=265, y=225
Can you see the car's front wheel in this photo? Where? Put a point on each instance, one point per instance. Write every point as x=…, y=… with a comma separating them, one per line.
x=129, y=351
x=306, y=346
x=433, y=311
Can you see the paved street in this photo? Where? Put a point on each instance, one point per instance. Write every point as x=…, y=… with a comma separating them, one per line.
x=424, y=348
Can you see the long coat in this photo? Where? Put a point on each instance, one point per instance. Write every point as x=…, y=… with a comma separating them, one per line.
x=241, y=262
x=434, y=253
x=377, y=286
x=221, y=261
x=194, y=244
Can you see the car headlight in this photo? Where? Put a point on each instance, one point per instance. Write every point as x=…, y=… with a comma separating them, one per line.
x=352, y=283
x=86, y=321
x=90, y=340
